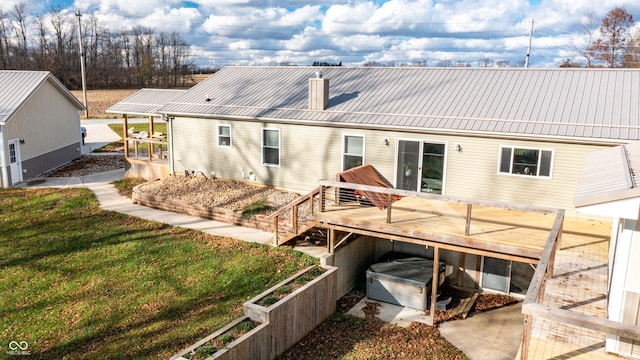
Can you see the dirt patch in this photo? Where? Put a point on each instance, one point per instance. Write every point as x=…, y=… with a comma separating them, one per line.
x=87, y=165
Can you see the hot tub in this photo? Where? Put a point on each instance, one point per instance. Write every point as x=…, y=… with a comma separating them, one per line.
x=404, y=282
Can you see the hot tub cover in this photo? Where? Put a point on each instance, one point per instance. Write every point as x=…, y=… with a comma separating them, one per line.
x=414, y=271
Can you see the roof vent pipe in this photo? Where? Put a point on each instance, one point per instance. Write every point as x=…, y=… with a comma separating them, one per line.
x=318, y=92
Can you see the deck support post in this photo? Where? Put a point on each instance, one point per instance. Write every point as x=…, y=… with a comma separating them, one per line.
x=125, y=134
x=389, y=200
x=461, y=269
x=434, y=283
x=526, y=337
x=467, y=226
x=331, y=240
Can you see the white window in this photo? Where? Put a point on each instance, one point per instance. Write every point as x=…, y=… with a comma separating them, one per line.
x=525, y=161
x=224, y=135
x=352, y=151
x=271, y=147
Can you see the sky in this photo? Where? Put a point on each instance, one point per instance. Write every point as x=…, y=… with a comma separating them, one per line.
x=355, y=32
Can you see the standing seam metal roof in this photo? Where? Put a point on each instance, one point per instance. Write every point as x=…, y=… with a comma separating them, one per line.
x=145, y=102
x=575, y=103
x=16, y=86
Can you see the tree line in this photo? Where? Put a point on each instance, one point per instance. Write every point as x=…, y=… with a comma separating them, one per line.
x=134, y=58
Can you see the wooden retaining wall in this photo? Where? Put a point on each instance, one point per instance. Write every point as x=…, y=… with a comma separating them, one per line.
x=208, y=212
x=298, y=313
x=283, y=324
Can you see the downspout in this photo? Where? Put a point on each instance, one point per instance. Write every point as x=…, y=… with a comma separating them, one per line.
x=169, y=120
x=3, y=160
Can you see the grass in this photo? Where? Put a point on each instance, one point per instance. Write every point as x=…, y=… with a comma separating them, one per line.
x=79, y=282
x=126, y=184
x=117, y=128
x=256, y=207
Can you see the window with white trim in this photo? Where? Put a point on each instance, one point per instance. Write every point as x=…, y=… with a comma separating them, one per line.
x=271, y=147
x=224, y=135
x=525, y=161
x=352, y=151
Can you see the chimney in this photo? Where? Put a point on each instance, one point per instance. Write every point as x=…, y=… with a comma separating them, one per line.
x=318, y=92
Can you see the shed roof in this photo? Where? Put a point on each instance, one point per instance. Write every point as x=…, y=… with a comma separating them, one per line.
x=16, y=87
x=591, y=104
x=609, y=175
x=145, y=102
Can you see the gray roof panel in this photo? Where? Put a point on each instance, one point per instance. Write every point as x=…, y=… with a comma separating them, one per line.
x=16, y=86
x=145, y=102
x=609, y=175
x=574, y=103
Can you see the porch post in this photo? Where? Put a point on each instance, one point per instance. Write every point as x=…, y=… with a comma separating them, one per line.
x=434, y=283
x=125, y=135
x=150, y=136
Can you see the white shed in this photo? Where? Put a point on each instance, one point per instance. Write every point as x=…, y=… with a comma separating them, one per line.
x=39, y=125
x=610, y=186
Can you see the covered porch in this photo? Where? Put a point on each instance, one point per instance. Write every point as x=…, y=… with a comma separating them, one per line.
x=147, y=151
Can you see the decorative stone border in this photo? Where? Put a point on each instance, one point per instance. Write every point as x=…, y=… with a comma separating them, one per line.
x=257, y=221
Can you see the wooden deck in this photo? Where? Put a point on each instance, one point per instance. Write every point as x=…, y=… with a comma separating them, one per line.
x=579, y=285
x=498, y=232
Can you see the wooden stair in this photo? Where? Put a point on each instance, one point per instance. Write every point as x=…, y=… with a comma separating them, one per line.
x=297, y=217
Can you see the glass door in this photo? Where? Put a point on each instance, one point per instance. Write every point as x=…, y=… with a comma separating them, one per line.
x=432, y=168
x=420, y=166
x=407, y=173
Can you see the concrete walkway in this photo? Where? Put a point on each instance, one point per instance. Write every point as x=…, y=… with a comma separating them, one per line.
x=110, y=199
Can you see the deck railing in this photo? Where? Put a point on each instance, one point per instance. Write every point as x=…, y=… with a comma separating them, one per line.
x=154, y=146
x=532, y=305
x=296, y=217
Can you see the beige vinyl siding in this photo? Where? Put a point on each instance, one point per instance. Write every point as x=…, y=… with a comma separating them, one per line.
x=311, y=153
x=47, y=121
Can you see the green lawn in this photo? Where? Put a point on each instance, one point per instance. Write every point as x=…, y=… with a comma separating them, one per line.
x=79, y=282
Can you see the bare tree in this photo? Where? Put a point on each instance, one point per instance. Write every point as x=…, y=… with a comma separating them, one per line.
x=586, y=47
x=631, y=58
x=19, y=15
x=613, y=31
x=4, y=41
x=485, y=62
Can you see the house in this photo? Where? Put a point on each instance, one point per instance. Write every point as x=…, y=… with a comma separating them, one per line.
x=39, y=125
x=610, y=186
x=511, y=135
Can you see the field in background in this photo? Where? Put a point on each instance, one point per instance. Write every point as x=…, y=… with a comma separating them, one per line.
x=100, y=100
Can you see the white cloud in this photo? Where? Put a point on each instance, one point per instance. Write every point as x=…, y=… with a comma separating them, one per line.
x=356, y=31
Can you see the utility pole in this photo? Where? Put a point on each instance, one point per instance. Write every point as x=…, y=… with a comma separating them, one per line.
x=526, y=61
x=84, y=78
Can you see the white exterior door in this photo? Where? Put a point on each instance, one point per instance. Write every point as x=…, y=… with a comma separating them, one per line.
x=15, y=164
x=420, y=166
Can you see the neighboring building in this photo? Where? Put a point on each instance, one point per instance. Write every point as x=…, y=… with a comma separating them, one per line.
x=510, y=135
x=610, y=186
x=39, y=125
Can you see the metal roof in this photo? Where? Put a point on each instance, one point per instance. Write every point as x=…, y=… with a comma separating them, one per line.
x=609, y=175
x=591, y=104
x=16, y=86
x=146, y=102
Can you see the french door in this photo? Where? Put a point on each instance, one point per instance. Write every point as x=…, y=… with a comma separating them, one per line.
x=420, y=166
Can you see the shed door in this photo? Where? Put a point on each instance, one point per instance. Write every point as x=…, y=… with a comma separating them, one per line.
x=15, y=165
